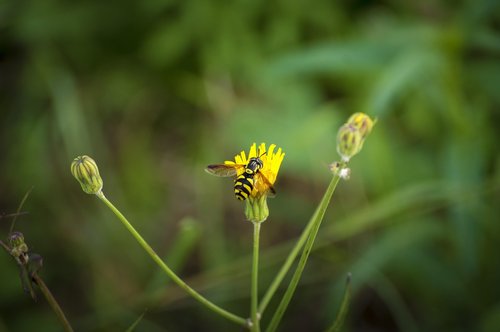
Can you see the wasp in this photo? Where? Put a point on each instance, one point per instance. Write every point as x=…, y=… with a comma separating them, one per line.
x=246, y=181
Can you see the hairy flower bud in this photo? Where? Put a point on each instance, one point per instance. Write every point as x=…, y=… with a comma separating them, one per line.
x=348, y=141
x=85, y=170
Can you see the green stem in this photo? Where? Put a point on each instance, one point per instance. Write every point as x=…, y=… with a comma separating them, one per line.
x=6, y=247
x=224, y=313
x=344, y=307
x=53, y=303
x=255, y=277
x=286, y=266
x=317, y=218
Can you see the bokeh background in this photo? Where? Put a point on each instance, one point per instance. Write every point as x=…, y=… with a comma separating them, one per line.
x=155, y=90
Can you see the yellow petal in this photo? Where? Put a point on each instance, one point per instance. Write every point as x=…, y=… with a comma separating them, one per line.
x=270, y=156
x=238, y=158
x=262, y=149
x=253, y=152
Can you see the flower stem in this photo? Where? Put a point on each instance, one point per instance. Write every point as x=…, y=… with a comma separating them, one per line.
x=344, y=307
x=224, y=313
x=53, y=303
x=6, y=247
x=286, y=266
x=316, y=222
x=255, y=277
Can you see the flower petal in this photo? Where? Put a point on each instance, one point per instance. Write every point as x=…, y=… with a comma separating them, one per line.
x=262, y=149
x=270, y=152
x=253, y=152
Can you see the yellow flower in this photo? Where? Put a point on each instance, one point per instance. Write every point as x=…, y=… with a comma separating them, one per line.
x=255, y=177
x=271, y=162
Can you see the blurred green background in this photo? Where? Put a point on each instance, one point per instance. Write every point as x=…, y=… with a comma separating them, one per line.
x=155, y=90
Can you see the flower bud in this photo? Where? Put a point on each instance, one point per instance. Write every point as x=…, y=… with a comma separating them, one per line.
x=256, y=209
x=16, y=240
x=85, y=170
x=348, y=141
x=362, y=122
x=18, y=247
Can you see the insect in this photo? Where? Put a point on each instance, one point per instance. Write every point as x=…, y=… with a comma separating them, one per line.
x=246, y=181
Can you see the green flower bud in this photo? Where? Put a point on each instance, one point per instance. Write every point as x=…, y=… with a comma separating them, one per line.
x=362, y=122
x=349, y=141
x=16, y=239
x=85, y=170
x=18, y=247
x=256, y=209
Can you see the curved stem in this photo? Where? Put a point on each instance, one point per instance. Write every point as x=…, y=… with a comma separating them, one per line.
x=344, y=307
x=215, y=308
x=255, y=278
x=317, y=219
x=53, y=303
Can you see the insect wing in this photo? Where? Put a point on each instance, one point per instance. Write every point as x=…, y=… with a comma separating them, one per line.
x=270, y=192
x=223, y=170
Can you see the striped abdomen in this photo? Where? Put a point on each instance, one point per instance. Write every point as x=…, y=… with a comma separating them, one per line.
x=243, y=185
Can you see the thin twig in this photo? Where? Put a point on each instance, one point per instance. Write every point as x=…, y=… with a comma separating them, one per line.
x=10, y=215
x=52, y=301
x=6, y=247
x=19, y=209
